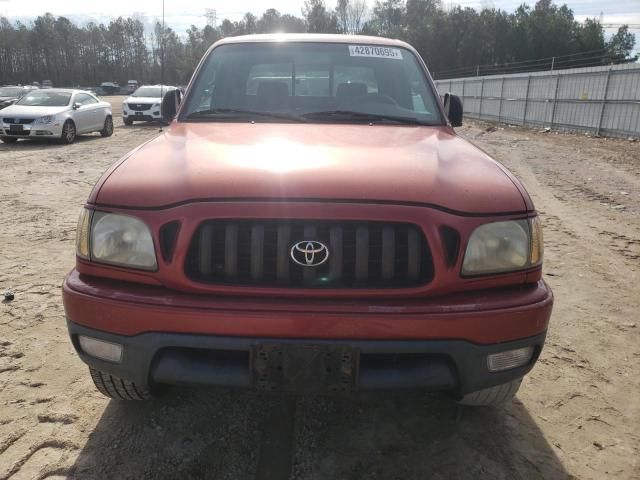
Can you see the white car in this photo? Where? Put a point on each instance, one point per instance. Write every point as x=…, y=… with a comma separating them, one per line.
x=145, y=104
x=55, y=113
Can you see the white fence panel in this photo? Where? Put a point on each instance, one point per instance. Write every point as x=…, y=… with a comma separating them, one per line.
x=598, y=100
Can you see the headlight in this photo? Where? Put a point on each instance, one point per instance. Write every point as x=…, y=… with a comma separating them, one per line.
x=46, y=120
x=504, y=247
x=115, y=239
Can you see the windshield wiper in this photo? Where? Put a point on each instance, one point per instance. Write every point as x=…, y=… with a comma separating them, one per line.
x=238, y=111
x=332, y=114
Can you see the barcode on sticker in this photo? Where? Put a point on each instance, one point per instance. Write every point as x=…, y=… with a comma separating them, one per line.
x=377, y=52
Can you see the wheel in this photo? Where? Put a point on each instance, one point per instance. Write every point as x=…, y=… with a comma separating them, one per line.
x=127, y=121
x=117, y=388
x=107, y=130
x=9, y=139
x=492, y=396
x=68, y=132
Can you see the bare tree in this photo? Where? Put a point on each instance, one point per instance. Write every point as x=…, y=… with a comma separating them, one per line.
x=351, y=15
x=356, y=13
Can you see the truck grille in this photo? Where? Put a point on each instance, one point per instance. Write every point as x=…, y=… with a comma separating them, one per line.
x=360, y=254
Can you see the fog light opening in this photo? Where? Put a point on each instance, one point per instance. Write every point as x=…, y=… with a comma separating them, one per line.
x=111, y=352
x=497, y=362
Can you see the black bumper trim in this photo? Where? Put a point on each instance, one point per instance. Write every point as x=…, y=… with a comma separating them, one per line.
x=453, y=365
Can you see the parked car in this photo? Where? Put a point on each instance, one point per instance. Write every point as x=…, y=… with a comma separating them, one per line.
x=55, y=113
x=11, y=94
x=47, y=84
x=341, y=239
x=145, y=104
x=132, y=86
x=110, y=88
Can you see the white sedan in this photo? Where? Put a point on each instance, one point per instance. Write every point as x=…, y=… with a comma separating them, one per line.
x=55, y=113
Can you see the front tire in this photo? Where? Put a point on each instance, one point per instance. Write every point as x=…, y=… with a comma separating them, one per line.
x=492, y=396
x=119, y=389
x=107, y=130
x=128, y=122
x=68, y=132
x=9, y=139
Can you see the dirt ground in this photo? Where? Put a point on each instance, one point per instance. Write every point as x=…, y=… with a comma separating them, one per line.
x=577, y=414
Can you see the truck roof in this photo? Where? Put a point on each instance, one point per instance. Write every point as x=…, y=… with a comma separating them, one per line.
x=315, y=38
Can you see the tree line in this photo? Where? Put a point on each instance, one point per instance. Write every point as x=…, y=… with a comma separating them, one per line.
x=454, y=42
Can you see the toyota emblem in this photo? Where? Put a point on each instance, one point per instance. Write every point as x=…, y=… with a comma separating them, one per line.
x=309, y=253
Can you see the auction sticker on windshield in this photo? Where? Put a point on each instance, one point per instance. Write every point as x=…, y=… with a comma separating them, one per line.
x=377, y=52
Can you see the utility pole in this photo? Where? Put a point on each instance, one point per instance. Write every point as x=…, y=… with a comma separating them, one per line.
x=162, y=61
x=162, y=53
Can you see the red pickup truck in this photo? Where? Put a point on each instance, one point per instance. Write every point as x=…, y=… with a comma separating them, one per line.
x=310, y=222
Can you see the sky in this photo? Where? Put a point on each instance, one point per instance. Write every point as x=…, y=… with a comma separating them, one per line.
x=180, y=17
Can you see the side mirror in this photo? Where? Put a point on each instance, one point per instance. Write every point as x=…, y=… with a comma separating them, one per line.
x=170, y=104
x=453, y=109
x=76, y=106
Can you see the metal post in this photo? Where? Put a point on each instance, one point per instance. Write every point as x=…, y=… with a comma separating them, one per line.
x=604, y=102
x=477, y=70
x=526, y=101
x=553, y=62
x=555, y=98
x=162, y=57
x=463, y=82
x=500, y=100
x=481, y=95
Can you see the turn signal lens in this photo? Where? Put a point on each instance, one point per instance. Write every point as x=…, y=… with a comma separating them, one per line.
x=537, y=242
x=82, y=234
x=497, y=362
x=111, y=352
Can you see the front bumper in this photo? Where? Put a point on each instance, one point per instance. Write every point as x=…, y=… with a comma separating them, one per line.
x=432, y=344
x=150, y=114
x=433, y=365
x=51, y=130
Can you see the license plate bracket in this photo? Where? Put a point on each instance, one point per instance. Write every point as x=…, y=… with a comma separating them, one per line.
x=304, y=368
x=16, y=128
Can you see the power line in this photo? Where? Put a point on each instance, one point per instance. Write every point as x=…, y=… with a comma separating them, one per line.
x=593, y=61
x=508, y=65
x=533, y=64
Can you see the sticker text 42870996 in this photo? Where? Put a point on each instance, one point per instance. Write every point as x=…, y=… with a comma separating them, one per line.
x=377, y=52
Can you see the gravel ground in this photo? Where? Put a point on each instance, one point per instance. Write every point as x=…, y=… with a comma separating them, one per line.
x=576, y=415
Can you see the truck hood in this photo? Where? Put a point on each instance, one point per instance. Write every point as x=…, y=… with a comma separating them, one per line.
x=403, y=164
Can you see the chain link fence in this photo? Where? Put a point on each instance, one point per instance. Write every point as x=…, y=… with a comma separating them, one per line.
x=598, y=100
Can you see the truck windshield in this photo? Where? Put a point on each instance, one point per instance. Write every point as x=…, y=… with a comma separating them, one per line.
x=318, y=82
